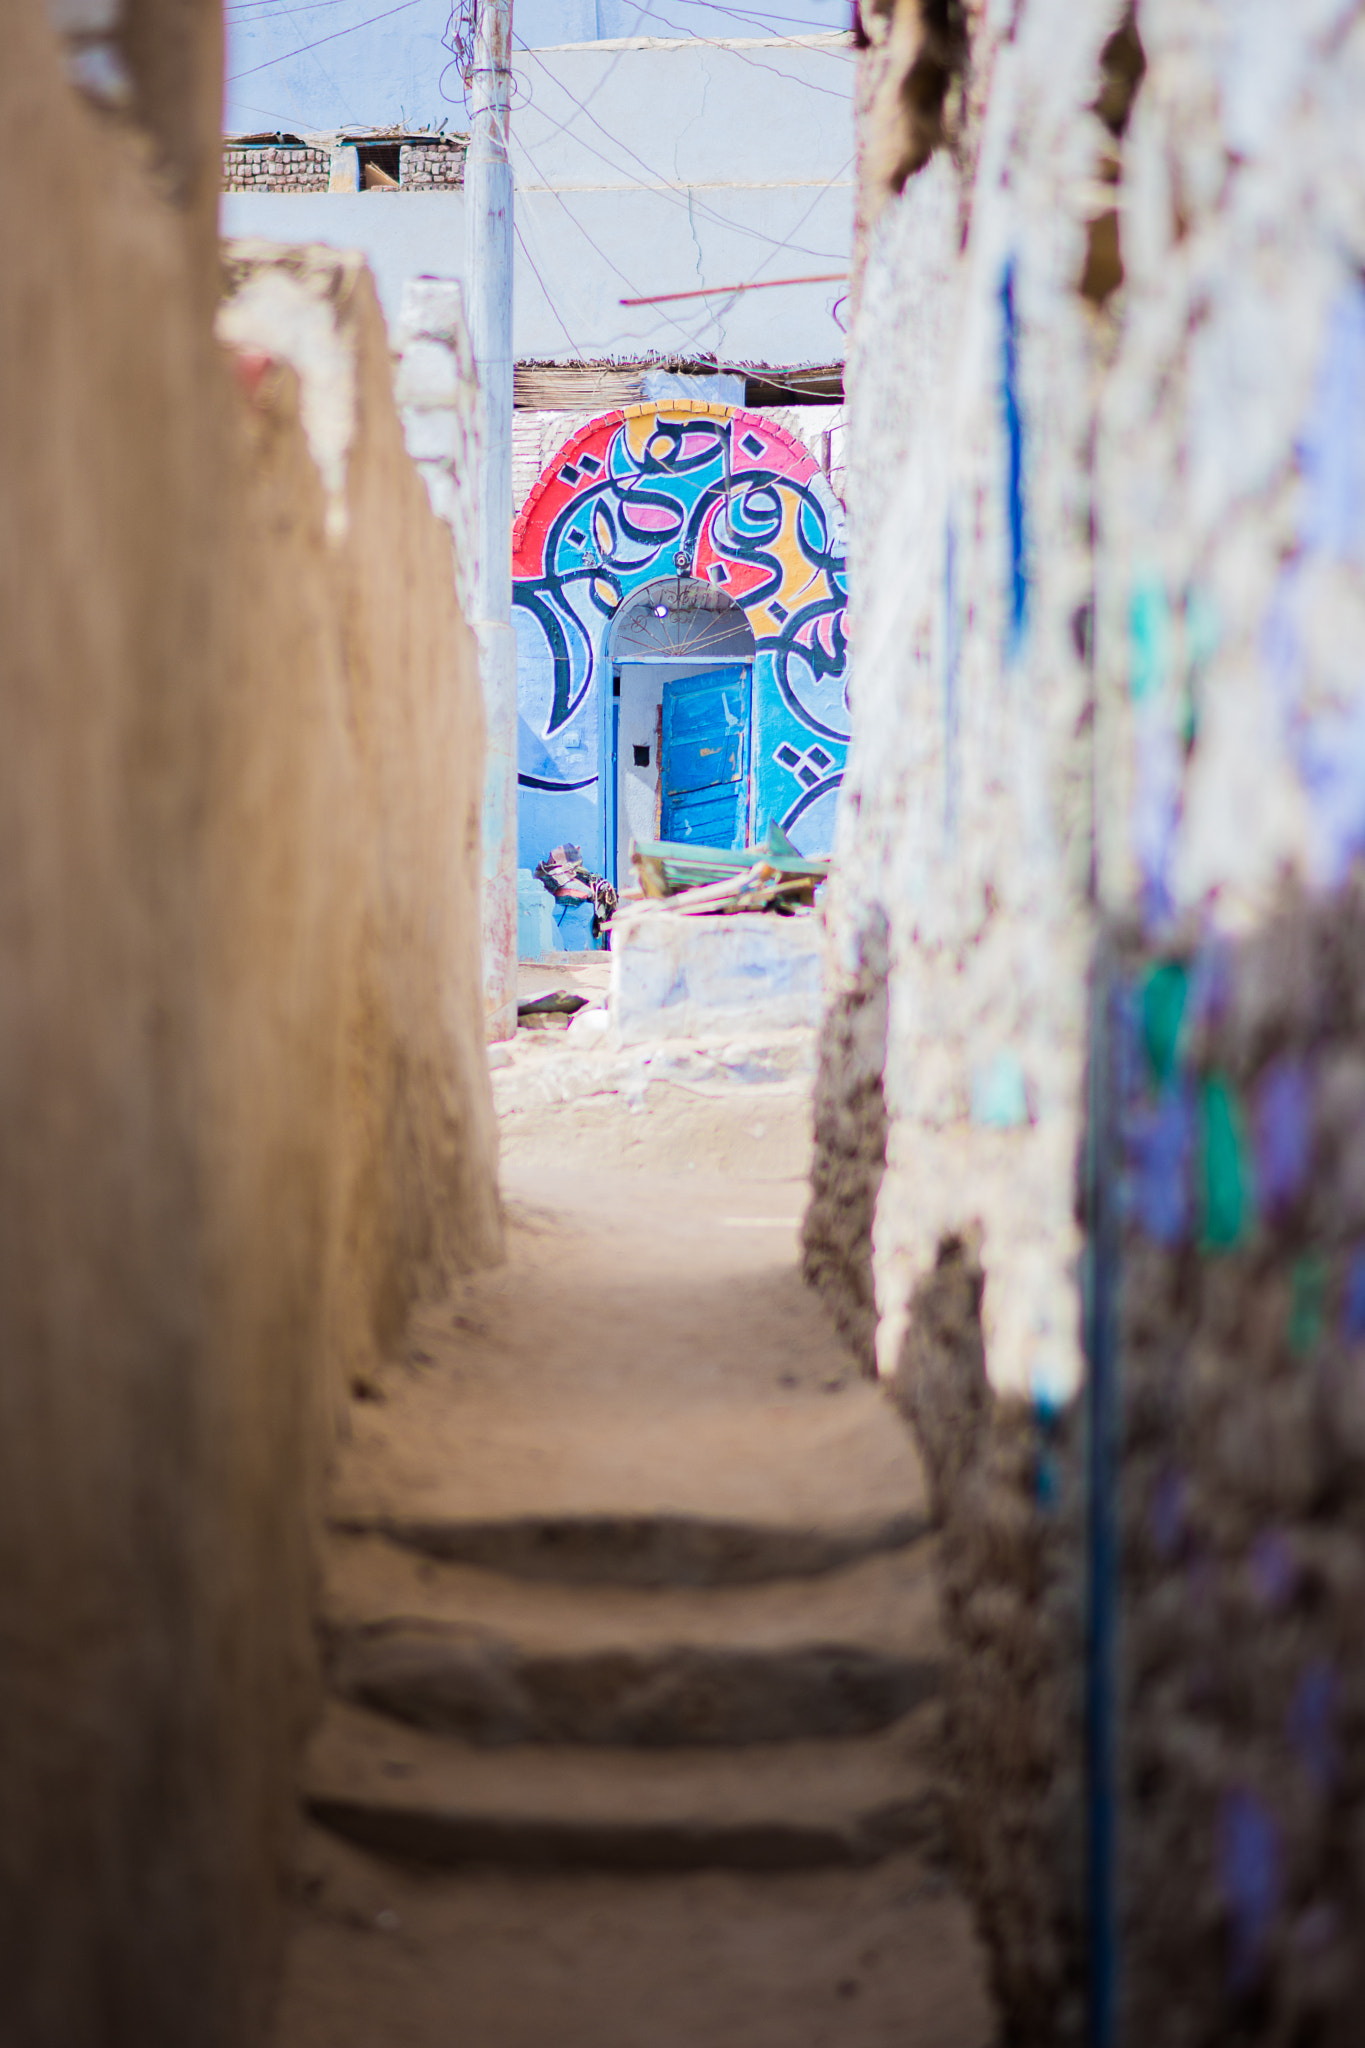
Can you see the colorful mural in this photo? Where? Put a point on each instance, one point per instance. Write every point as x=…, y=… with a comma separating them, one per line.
x=707, y=491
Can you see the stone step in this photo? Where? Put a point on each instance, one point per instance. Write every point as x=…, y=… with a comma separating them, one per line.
x=644, y=1549
x=624, y=1493
x=424, y=1799
x=498, y=1661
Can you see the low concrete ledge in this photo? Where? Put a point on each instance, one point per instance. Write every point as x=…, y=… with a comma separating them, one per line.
x=684, y=977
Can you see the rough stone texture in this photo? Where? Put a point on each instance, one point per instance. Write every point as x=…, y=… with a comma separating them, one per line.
x=418, y=1198
x=784, y=1806
x=275, y=167
x=501, y=1659
x=1005, y=1480
x=677, y=977
x=973, y=379
x=437, y=390
x=967, y=801
x=1107, y=529
x=850, y=1146
x=1230, y=632
x=881, y=1957
x=1242, y=1330
x=242, y=1113
x=436, y=166
x=304, y=167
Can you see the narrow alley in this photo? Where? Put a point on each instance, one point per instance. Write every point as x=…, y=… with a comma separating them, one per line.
x=630, y=1630
x=682, y=1024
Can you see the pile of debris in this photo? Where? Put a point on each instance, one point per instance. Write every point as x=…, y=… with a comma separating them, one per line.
x=700, y=881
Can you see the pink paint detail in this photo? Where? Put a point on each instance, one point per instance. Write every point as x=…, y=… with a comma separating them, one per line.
x=781, y=450
x=249, y=366
x=653, y=518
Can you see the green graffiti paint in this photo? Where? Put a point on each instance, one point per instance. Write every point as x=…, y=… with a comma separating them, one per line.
x=1307, y=1302
x=1203, y=628
x=1203, y=631
x=1149, y=629
x=1163, y=1012
x=1225, y=1166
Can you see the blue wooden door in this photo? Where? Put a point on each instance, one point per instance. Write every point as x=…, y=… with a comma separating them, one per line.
x=705, y=765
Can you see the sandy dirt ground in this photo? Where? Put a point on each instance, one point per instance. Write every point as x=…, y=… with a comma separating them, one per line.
x=648, y=1362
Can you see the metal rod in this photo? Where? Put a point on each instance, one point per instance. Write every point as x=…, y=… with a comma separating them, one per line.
x=716, y=291
x=488, y=200
x=1103, y=1465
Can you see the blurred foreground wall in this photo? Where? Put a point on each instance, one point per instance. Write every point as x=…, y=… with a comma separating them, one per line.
x=1106, y=804
x=244, y=1117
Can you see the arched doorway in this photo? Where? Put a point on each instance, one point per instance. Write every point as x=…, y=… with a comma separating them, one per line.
x=681, y=714
x=728, y=510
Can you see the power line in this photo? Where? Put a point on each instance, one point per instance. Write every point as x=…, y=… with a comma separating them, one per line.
x=289, y=84
x=549, y=299
x=669, y=192
x=775, y=248
x=692, y=339
x=763, y=14
x=755, y=63
x=594, y=245
x=645, y=11
x=776, y=251
x=284, y=58
x=263, y=9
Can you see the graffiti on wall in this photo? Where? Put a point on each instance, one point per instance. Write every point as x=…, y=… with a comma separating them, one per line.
x=722, y=495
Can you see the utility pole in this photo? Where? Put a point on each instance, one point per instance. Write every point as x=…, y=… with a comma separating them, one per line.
x=488, y=203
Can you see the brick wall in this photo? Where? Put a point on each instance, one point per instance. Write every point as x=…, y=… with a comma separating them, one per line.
x=293, y=167
x=276, y=168
x=426, y=169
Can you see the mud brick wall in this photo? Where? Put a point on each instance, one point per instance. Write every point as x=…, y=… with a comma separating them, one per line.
x=431, y=168
x=850, y=1145
x=1107, y=536
x=275, y=168
x=973, y=370
x=1240, y=1069
x=1006, y=1483
x=244, y=1110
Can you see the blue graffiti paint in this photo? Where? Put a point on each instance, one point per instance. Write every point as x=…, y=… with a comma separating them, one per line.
x=1014, y=440
x=747, y=509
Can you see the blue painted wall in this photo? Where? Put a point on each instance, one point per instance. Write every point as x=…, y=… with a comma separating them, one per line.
x=608, y=515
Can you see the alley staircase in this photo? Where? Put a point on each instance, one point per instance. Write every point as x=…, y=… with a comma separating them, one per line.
x=628, y=1627
x=619, y=1690
x=629, y=1569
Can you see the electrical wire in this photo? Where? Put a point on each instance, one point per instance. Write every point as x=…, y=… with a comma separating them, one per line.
x=667, y=186
x=763, y=374
x=290, y=86
x=644, y=11
x=286, y=55
x=753, y=62
x=756, y=63
x=667, y=190
x=550, y=301
x=776, y=248
x=759, y=14
x=690, y=338
x=614, y=267
x=266, y=10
